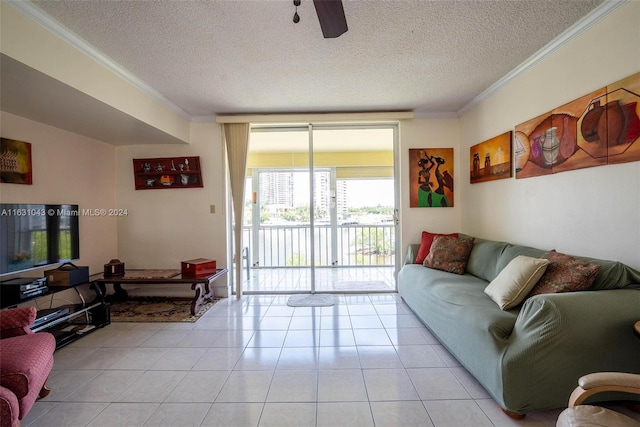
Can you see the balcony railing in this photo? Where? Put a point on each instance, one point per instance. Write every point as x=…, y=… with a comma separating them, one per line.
x=290, y=245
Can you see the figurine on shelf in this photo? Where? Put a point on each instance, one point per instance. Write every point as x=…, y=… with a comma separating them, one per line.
x=186, y=164
x=159, y=167
x=181, y=166
x=166, y=180
x=173, y=166
x=146, y=167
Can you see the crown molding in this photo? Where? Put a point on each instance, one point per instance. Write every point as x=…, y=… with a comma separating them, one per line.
x=435, y=114
x=36, y=14
x=203, y=119
x=572, y=32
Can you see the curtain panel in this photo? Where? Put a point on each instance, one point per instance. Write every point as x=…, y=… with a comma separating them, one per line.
x=237, y=144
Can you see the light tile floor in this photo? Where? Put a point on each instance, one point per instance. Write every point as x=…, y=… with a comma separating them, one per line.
x=333, y=279
x=366, y=361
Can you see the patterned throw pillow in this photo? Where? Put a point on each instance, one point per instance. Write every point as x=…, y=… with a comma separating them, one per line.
x=449, y=254
x=565, y=274
x=425, y=245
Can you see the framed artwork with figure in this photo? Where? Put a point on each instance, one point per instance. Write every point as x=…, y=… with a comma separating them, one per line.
x=431, y=177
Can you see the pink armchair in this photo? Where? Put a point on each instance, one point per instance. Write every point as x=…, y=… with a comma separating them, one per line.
x=26, y=360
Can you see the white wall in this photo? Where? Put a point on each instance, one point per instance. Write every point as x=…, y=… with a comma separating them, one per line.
x=67, y=168
x=592, y=212
x=166, y=226
x=428, y=133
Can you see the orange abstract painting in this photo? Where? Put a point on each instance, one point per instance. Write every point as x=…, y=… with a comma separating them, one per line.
x=491, y=159
x=431, y=177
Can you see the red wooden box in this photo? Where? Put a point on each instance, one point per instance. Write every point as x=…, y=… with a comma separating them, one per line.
x=198, y=267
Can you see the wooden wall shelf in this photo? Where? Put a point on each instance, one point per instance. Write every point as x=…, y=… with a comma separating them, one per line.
x=167, y=172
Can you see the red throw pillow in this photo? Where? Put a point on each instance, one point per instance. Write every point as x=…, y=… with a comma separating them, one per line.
x=425, y=245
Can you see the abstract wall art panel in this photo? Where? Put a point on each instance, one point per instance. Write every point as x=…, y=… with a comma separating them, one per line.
x=600, y=128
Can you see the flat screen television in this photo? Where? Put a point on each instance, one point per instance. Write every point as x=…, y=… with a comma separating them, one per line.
x=37, y=235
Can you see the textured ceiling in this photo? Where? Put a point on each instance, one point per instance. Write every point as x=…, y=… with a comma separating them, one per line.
x=217, y=57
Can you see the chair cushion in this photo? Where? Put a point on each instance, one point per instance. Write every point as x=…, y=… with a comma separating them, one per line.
x=16, y=321
x=24, y=361
x=8, y=407
x=593, y=416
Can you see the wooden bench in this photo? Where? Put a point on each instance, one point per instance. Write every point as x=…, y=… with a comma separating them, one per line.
x=203, y=286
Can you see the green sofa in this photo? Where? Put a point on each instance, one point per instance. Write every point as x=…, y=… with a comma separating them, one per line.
x=528, y=358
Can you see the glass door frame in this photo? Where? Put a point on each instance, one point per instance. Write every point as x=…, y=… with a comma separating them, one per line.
x=394, y=126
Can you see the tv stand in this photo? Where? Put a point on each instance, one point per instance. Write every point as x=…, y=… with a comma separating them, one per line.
x=46, y=316
x=70, y=322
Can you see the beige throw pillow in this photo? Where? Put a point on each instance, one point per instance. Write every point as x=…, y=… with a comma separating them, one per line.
x=516, y=280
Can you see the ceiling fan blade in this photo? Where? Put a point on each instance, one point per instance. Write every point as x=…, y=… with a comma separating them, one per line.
x=331, y=17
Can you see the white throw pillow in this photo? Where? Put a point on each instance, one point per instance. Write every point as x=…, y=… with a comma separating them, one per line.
x=516, y=280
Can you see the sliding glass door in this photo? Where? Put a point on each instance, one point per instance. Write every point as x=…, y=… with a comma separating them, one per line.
x=319, y=212
x=356, y=209
x=277, y=233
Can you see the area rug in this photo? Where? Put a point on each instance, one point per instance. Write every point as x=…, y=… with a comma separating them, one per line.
x=156, y=309
x=311, y=300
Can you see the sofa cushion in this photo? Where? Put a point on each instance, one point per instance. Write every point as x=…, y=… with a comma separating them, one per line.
x=425, y=245
x=512, y=251
x=484, y=257
x=565, y=274
x=437, y=294
x=613, y=275
x=449, y=254
x=516, y=280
